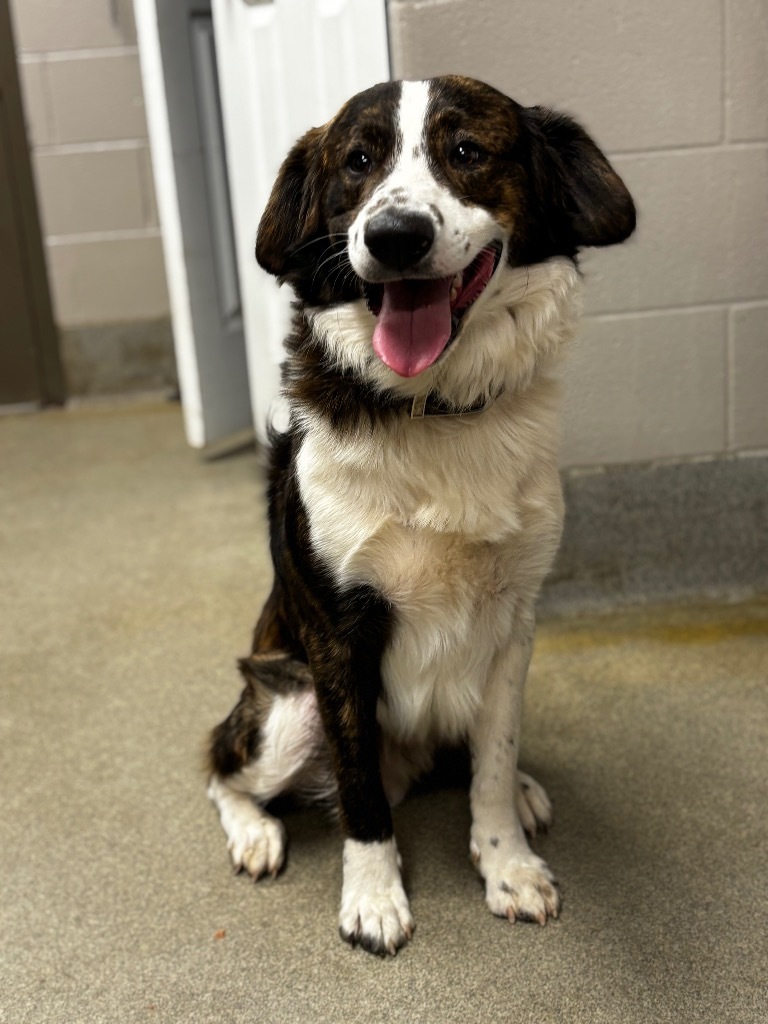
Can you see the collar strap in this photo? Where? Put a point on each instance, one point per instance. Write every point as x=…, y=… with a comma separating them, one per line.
x=429, y=405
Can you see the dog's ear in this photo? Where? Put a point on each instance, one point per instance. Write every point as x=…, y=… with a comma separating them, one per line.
x=292, y=215
x=576, y=183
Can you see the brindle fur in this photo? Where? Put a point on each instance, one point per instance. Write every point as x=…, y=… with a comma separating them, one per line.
x=341, y=635
x=545, y=180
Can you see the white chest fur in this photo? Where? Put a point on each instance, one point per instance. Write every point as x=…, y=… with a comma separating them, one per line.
x=453, y=521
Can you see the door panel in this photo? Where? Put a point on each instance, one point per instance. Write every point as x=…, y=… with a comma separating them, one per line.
x=181, y=91
x=284, y=66
x=29, y=362
x=18, y=363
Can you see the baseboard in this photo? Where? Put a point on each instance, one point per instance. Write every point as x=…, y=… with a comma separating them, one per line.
x=118, y=358
x=644, y=533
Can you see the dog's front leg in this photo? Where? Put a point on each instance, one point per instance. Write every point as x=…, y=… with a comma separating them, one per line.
x=518, y=884
x=375, y=913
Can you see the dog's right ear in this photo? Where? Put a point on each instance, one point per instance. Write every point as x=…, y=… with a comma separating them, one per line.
x=292, y=215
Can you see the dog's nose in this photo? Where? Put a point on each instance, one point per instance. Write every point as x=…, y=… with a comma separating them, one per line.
x=397, y=239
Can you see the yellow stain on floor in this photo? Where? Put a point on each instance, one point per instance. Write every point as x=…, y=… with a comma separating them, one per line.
x=681, y=624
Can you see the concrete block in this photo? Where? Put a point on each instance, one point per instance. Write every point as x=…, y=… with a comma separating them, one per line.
x=107, y=280
x=746, y=58
x=97, y=99
x=645, y=387
x=37, y=111
x=749, y=377
x=50, y=25
x=659, y=532
x=701, y=237
x=638, y=75
x=119, y=358
x=100, y=190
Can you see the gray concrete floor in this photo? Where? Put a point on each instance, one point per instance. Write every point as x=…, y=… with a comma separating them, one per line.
x=132, y=572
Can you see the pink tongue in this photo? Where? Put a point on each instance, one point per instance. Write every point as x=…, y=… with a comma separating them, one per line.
x=414, y=324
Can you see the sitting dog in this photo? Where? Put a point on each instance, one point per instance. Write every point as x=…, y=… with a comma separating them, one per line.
x=430, y=233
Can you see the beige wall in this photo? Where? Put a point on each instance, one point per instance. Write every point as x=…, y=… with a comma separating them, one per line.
x=79, y=70
x=673, y=358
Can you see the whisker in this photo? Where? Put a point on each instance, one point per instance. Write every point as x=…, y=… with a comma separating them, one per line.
x=322, y=263
x=320, y=238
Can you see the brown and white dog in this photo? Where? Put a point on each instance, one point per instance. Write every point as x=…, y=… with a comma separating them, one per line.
x=430, y=233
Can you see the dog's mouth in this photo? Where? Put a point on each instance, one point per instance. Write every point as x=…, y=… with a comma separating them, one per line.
x=416, y=320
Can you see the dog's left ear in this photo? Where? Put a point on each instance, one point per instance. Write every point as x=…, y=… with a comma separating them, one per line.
x=591, y=202
x=292, y=216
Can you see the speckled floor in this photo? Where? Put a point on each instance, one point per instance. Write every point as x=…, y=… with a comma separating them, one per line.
x=132, y=572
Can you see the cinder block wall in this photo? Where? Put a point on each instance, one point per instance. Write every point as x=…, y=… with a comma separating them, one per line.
x=79, y=71
x=673, y=358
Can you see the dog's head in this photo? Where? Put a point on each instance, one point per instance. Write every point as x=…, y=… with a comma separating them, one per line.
x=418, y=194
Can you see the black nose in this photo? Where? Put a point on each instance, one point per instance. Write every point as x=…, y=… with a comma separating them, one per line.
x=398, y=239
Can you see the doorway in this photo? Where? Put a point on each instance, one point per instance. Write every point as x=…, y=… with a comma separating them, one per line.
x=221, y=118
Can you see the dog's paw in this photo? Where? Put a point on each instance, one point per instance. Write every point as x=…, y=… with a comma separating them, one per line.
x=518, y=884
x=380, y=922
x=533, y=805
x=256, y=841
x=523, y=890
x=375, y=913
x=258, y=848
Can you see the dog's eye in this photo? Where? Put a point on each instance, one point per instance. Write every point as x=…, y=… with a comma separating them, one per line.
x=467, y=154
x=359, y=162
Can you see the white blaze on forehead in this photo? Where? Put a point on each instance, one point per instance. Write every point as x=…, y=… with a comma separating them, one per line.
x=412, y=119
x=461, y=229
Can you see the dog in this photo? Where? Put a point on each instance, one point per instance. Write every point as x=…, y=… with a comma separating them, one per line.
x=430, y=233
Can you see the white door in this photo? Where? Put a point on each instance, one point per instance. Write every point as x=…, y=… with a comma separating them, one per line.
x=284, y=66
x=180, y=88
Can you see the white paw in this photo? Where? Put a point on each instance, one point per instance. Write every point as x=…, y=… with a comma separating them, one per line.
x=374, y=908
x=518, y=884
x=523, y=890
x=258, y=847
x=255, y=840
x=533, y=805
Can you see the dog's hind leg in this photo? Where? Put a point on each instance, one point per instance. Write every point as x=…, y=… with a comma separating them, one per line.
x=270, y=743
x=534, y=807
